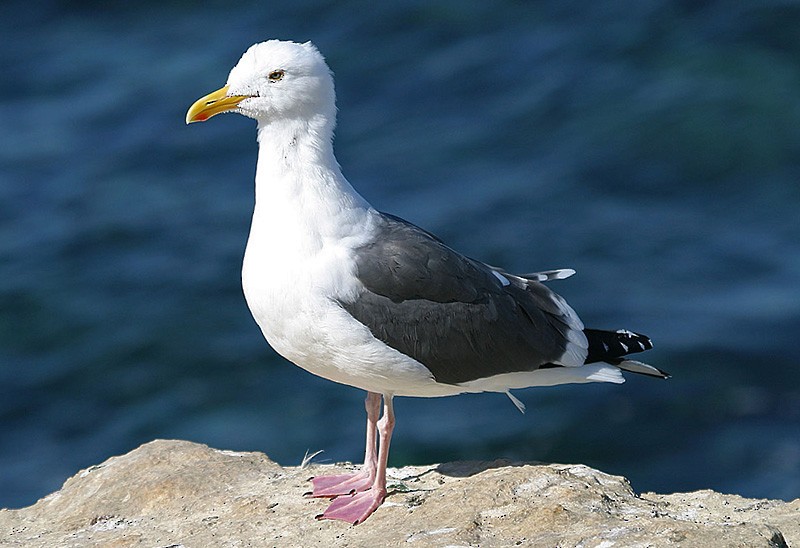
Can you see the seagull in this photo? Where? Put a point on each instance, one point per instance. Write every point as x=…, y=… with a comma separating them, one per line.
x=367, y=299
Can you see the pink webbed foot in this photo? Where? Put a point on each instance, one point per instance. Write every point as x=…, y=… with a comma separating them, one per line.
x=342, y=484
x=354, y=508
x=357, y=496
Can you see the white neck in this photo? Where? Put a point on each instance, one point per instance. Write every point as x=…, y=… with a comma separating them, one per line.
x=288, y=146
x=302, y=199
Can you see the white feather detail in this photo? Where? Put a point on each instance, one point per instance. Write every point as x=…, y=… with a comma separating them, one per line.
x=607, y=373
x=577, y=347
x=519, y=405
x=549, y=275
x=550, y=376
x=503, y=279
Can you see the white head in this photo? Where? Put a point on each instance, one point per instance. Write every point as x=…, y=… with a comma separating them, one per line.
x=274, y=80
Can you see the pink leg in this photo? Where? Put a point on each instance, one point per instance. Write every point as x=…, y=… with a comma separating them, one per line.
x=347, y=484
x=357, y=507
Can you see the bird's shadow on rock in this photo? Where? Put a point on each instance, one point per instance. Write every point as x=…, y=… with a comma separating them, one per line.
x=467, y=468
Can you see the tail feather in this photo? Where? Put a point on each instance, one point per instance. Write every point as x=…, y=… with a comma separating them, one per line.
x=642, y=368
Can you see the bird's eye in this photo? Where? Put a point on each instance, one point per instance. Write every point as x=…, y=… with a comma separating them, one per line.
x=275, y=75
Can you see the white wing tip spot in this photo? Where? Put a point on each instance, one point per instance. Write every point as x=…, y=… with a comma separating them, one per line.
x=503, y=279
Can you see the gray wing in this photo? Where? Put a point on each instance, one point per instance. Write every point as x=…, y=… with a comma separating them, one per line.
x=460, y=318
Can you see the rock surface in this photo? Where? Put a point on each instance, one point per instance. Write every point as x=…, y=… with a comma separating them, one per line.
x=177, y=494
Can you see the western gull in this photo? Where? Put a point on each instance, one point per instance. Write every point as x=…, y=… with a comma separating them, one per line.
x=367, y=299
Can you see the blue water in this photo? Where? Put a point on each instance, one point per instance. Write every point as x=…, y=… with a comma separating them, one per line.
x=653, y=146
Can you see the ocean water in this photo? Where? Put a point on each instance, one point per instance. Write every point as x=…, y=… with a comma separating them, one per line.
x=653, y=146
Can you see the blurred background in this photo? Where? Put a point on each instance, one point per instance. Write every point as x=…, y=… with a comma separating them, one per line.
x=654, y=146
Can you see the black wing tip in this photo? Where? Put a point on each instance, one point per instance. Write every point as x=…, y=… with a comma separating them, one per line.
x=644, y=342
x=613, y=347
x=607, y=345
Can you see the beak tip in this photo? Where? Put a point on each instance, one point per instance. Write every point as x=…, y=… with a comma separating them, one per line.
x=192, y=117
x=212, y=104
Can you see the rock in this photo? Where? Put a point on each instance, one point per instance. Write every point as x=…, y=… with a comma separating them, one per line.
x=173, y=494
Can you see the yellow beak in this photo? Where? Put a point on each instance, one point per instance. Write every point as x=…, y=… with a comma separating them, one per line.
x=213, y=104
